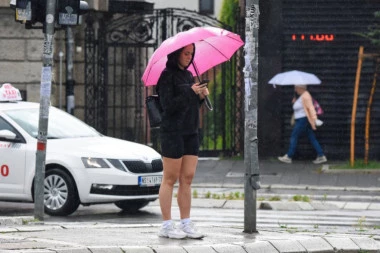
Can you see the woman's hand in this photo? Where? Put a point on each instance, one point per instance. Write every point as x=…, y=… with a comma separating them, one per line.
x=204, y=93
x=200, y=89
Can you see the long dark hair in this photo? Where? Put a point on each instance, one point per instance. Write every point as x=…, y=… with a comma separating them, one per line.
x=174, y=56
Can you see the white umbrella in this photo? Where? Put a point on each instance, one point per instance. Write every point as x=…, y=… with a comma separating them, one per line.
x=295, y=77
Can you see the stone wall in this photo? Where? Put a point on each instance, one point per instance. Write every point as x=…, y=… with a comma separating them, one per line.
x=21, y=60
x=20, y=54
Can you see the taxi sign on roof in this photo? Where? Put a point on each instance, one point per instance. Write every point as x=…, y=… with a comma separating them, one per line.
x=9, y=93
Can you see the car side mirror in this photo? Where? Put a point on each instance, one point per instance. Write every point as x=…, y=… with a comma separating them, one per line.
x=7, y=135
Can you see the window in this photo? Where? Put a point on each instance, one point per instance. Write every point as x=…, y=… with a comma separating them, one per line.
x=206, y=7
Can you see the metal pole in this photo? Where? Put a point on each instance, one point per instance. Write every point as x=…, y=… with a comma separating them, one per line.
x=60, y=79
x=70, y=99
x=45, y=92
x=251, y=159
x=355, y=105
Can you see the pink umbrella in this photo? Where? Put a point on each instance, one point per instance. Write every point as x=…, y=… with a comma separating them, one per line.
x=212, y=46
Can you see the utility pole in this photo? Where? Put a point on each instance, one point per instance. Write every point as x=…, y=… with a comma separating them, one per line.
x=45, y=92
x=30, y=12
x=251, y=159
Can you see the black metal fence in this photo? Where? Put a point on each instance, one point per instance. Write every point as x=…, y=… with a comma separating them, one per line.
x=117, y=49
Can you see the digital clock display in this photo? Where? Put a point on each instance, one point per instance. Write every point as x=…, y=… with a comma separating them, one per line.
x=313, y=37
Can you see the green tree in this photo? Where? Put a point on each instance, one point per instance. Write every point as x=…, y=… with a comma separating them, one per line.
x=223, y=89
x=373, y=33
x=228, y=12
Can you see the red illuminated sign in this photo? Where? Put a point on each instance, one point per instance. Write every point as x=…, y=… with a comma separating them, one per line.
x=313, y=37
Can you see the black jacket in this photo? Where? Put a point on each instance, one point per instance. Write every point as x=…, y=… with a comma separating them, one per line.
x=179, y=102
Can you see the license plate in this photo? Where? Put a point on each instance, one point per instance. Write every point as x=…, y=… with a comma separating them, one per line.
x=150, y=180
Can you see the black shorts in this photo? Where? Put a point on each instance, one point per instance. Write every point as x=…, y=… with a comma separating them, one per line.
x=177, y=145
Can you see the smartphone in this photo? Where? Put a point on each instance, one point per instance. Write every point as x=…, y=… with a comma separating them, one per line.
x=204, y=82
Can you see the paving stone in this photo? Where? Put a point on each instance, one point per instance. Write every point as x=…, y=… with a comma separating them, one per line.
x=342, y=244
x=288, y=246
x=356, y=206
x=338, y=204
x=228, y=248
x=305, y=206
x=321, y=205
x=71, y=250
x=374, y=206
x=210, y=203
x=367, y=244
x=199, y=249
x=316, y=244
x=234, y=204
x=113, y=250
x=279, y=205
x=260, y=247
x=137, y=249
x=168, y=249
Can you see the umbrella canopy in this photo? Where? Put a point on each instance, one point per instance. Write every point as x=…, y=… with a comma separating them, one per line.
x=295, y=77
x=212, y=46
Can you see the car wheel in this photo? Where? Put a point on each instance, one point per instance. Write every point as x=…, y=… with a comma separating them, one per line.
x=131, y=206
x=60, y=194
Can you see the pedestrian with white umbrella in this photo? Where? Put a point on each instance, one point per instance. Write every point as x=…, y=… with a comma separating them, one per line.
x=304, y=112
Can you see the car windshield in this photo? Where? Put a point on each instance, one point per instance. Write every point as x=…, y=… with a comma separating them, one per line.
x=61, y=124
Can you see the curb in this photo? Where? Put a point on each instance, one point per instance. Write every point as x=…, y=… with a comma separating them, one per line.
x=326, y=169
x=19, y=220
x=290, y=187
x=267, y=242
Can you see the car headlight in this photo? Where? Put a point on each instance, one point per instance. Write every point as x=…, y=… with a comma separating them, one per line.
x=94, y=163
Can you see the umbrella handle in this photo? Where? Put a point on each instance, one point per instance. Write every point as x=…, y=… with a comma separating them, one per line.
x=207, y=100
x=208, y=103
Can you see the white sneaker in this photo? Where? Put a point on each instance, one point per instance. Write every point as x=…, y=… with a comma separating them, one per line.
x=171, y=232
x=320, y=159
x=190, y=230
x=285, y=159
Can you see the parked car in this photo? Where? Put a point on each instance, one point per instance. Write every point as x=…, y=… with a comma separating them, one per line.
x=82, y=166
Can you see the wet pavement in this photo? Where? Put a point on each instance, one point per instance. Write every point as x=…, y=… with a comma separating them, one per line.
x=330, y=190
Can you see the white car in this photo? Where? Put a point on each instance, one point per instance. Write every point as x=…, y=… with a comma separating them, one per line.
x=82, y=165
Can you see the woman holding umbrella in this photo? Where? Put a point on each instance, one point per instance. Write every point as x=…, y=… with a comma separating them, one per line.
x=180, y=98
x=305, y=122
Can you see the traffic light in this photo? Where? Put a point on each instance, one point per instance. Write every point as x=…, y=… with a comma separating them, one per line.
x=38, y=11
x=23, y=10
x=30, y=12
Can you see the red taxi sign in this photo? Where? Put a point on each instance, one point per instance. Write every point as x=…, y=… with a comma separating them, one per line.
x=9, y=93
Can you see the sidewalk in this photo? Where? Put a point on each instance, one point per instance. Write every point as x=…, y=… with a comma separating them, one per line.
x=341, y=189
x=219, y=176
x=298, y=174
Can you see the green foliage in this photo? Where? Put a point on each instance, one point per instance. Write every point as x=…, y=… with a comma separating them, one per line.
x=195, y=194
x=228, y=12
x=275, y=198
x=223, y=90
x=358, y=165
x=302, y=198
x=373, y=32
x=361, y=224
x=215, y=196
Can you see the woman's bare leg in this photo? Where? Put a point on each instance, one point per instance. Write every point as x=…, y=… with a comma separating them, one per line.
x=188, y=168
x=172, y=168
